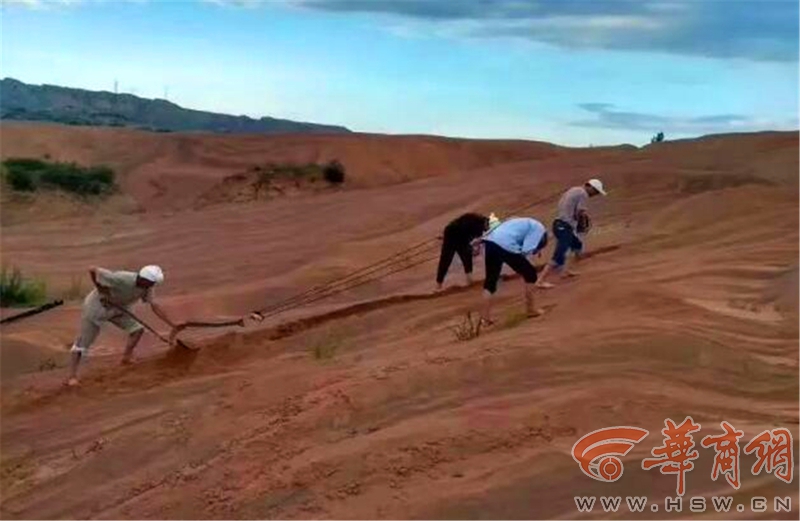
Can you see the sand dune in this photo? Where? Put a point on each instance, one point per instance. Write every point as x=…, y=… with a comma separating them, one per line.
x=171, y=170
x=365, y=405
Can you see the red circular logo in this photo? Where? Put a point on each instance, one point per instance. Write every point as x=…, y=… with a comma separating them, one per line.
x=610, y=468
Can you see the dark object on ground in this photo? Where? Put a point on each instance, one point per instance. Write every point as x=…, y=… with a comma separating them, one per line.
x=334, y=172
x=31, y=312
x=221, y=323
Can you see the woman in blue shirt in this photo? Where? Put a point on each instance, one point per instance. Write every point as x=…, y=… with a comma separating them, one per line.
x=509, y=243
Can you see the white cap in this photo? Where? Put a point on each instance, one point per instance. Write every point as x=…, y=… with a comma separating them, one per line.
x=152, y=273
x=597, y=185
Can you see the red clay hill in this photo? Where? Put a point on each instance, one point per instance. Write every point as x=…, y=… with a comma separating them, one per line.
x=366, y=405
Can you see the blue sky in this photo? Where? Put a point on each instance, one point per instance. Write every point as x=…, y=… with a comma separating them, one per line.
x=574, y=72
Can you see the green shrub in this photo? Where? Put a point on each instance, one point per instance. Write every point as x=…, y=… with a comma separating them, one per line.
x=82, y=181
x=22, y=163
x=468, y=329
x=31, y=174
x=293, y=171
x=325, y=347
x=325, y=350
x=263, y=180
x=328, y=342
x=23, y=174
x=334, y=172
x=21, y=180
x=18, y=291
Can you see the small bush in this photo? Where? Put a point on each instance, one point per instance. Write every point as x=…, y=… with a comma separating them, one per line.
x=334, y=172
x=298, y=172
x=21, y=180
x=82, y=181
x=31, y=174
x=274, y=176
x=263, y=180
x=17, y=291
x=325, y=347
x=48, y=365
x=469, y=329
x=26, y=164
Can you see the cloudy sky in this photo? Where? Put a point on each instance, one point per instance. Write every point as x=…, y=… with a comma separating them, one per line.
x=575, y=72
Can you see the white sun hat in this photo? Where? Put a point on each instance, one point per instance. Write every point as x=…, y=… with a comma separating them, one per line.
x=597, y=185
x=152, y=273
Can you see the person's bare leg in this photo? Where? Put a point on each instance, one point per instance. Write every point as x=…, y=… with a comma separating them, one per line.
x=468, y=278
x=133, y=339
x=486, y=312
x=75, y=361
x=88, y=333
x=530, y=302
x=540, y=282
x=567, y=273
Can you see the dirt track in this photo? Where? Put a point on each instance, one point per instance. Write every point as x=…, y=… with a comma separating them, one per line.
x=379, y=411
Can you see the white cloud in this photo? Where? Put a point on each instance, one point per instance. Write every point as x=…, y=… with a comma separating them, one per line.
x=713, y=28
x=607, y=116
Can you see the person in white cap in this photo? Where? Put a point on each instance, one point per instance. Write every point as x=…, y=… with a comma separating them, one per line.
x=114, y=290
x=571, y=211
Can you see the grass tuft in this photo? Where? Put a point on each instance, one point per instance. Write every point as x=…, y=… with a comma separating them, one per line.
x=17, y=291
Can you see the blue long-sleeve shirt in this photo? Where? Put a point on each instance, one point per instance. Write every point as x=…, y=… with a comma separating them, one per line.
x=518, y=235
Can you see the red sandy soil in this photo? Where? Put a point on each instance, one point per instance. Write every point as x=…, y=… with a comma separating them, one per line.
x=366, y=405
x=169, y=171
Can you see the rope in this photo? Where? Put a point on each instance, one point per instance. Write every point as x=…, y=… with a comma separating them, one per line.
x=332, y=289
x=356, y=278
x=217, y=323
x=389, y=261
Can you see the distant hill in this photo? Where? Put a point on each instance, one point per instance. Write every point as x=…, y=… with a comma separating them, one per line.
x=22, y=102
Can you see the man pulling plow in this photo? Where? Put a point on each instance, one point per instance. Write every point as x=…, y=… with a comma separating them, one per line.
x=113, y=295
